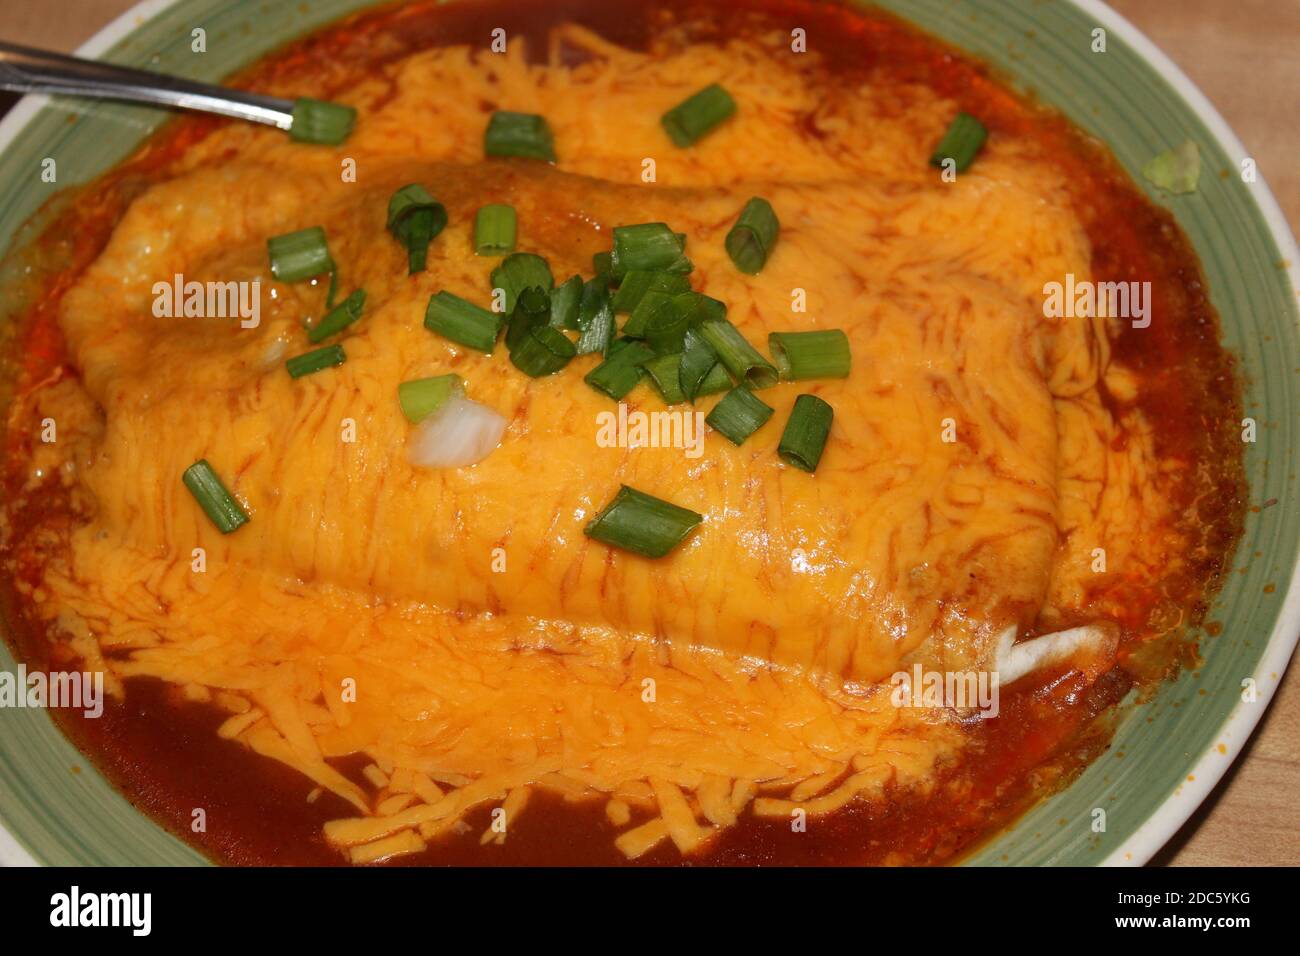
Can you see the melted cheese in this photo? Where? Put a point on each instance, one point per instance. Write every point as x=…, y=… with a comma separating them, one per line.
x=359, y=610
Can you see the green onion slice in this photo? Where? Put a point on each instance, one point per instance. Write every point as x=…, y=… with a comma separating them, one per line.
x=299, y=255
x=602, y=263
x=533, y=308
x=665, y=328
x=642, y=524
x=520, y=271
x=698, y=307
x=715, y=382
x=519, y=134
x=494, y=230
x=422, y=397
x=564, y=303
x=316, y=121
x=542, y=351
x=218, y=503
x=621, y=370
x=697, y=115
x=804, y=438
x=461, y=321
x=414, y=218
x=742, y=360
x=698, y=361
x=664, y=371
x=1176, y=170
x=648, y=246
x=315, y=361
x=637, y=283
x=338, y=318
x=333, y=289
x=595, y=318
x=751, y=240
x=804, y=355
x=738, y=415
x=963, y=140
x=658, y=309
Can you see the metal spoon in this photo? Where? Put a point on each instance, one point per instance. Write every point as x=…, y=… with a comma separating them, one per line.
x=25, y=70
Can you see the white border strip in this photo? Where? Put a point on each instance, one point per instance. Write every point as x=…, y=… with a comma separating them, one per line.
x=13, y=853
x=1157, y=829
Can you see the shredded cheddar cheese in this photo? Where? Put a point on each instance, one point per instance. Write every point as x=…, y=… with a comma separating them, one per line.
x=973, y=465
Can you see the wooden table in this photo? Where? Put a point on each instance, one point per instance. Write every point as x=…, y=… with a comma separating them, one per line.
x=1245, y=56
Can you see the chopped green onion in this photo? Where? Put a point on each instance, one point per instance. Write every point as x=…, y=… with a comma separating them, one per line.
x=494, y=230
x=454, y=318
x=664, y=371
x=741, y=359
x=698, y=361
x=414, y=218
x=338, y=318
x=698, y=307
x=739, y=415
x=299, y=255
x=620, y=372
x=218, y=503
x=519, y=134
x=657, y=309
x=716, y=381
x=636, y=284
x=650, y=247
x=564, y=303
x=642, y=524
x=595, y=318
x=598, y=336
x=1176, y=170
x=315, y=361
x=665, y=328
x=697, y=115
x=963, y=140
x=802, y=355
x=316, y=121
x=520, y=271
x=333, y=289
x=805, y=433
x=602, y=263
x=542, y=351
x=752, y=238
x=424, y=396
x=532, y=309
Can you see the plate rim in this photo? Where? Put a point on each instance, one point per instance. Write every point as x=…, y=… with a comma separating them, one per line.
x=1211, y=766
x=13, y=852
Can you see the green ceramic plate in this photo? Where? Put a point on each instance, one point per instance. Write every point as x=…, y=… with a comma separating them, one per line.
x=1131, y=97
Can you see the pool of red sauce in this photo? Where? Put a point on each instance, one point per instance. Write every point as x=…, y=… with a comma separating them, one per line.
x=163, y=753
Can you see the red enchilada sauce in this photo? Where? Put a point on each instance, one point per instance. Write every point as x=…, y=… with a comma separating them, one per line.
x=163, y=753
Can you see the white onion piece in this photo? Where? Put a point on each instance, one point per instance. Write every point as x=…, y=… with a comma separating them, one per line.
x=459, y=433
x=275, y=351
x=1014, y=660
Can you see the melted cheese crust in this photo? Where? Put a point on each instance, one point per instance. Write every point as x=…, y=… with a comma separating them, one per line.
x=359, y=611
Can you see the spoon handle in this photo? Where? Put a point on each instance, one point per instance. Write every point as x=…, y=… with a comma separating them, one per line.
x=27, y=70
